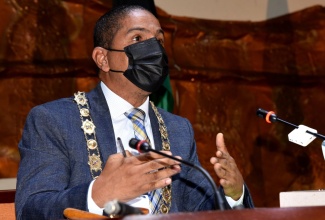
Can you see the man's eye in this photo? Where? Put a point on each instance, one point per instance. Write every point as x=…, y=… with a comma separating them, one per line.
x=137, y=38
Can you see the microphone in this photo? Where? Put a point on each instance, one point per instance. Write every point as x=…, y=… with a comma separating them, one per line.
x=270, y=117
x=301, y=135
x=115, y=207
x=143, y=146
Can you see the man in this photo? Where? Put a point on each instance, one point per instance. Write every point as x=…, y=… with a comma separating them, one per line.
x=70, y=156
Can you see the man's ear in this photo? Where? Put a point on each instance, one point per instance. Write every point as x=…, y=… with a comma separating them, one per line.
x=100, y=58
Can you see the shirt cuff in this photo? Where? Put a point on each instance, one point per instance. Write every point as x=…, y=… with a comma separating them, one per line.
x=232, y=203
x=92, y=206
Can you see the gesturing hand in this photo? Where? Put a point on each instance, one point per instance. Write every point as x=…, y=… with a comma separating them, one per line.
x=226, y=169
x=125, y=178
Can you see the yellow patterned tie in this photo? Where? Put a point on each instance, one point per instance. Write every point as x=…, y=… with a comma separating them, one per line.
x=137, y=117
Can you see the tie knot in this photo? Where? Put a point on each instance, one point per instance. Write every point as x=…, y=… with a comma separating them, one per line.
x=135, y=114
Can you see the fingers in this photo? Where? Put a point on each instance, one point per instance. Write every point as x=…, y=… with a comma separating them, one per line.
x=221, y=170
x=152, y=156
x=223, y=163
x=226, y=169
x=231, y=180
x=155, y=170
x=153, y=162
x=125, y=178
x=128, y=153
x=158, y=178
x=163, y=174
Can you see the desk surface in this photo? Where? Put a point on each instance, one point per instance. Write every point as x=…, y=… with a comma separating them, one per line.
x=8, y=183
x=292, y=213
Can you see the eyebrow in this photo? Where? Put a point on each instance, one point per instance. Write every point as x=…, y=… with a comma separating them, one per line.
x=159, y=31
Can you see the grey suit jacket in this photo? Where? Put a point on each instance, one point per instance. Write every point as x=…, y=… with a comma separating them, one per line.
x=54, y=173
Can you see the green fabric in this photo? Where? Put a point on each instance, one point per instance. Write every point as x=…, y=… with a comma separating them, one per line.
x=163, y=97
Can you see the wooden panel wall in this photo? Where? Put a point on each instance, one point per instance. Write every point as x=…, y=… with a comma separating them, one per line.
x=221, y=72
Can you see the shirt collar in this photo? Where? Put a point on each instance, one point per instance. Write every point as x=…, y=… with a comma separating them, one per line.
x=118, y=106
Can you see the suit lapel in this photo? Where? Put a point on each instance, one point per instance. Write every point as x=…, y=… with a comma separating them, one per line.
x=102, y=119
x=104, y=128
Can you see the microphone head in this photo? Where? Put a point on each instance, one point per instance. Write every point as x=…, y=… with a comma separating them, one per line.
x=133, y=143
x=140, y=145
x=115, y=207
x=112, y=207
x=261, y=113
x=269, y=116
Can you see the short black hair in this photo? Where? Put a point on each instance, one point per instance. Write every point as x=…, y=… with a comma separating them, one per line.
x=107, y=25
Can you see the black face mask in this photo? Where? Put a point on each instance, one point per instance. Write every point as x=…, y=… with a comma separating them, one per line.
x=148, y=64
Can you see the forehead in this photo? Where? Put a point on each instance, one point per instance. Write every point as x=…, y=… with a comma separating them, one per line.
x=139, y=20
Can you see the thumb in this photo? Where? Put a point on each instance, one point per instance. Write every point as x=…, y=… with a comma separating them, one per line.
x=220, y=143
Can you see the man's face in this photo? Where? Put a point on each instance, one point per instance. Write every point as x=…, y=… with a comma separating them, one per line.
x=138, y=26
